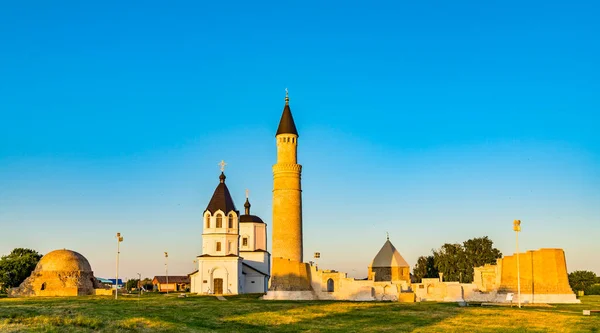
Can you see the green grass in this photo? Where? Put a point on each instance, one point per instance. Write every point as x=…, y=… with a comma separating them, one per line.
x=249, y=314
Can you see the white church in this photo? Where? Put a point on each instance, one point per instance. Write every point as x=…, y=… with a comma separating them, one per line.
x=234, y=256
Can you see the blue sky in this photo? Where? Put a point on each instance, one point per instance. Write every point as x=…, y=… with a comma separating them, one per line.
x=433, y=121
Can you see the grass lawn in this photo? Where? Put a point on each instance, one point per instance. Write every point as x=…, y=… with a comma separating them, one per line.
x=249, y=314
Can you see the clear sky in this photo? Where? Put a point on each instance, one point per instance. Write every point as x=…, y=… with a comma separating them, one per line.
x=435, y=121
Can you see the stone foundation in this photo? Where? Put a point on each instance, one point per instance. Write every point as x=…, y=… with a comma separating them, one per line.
x=288, y=275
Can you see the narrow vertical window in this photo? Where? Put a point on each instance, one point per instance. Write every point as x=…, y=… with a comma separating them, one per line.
x=230, y=222
x=244, y=241
x=218, y=246
x=207, y=221
x=219, y=221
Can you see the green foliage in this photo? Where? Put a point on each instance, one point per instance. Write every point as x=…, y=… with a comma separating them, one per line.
x=478, y=252
x=581, y=280
x=424, y=268
x=147, y=284
x=456, y=261
x=450, y=260
x=131, y=284
x=593, y=290
x=17, y=266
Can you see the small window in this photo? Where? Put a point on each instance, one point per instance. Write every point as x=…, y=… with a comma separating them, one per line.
x=230, y=222
x=207, y=221
x=244, y=241
x=43, y=286
x=218, y=246
x=219, y=221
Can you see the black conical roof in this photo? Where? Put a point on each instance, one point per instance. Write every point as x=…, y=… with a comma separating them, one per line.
x=286, y=124
x=221, y=199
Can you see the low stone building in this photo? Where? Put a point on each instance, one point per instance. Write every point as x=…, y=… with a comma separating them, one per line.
x=389, y=265
x=61, y=273
x=165, y=283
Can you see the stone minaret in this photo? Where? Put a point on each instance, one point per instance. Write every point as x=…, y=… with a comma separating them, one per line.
x=287, y=192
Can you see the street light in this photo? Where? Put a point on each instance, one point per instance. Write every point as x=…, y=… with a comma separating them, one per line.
x=167, y=269
x=119, y=240
x=517, y=228
x=139, y=285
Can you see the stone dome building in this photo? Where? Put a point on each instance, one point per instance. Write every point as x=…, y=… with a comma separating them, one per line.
x=389, y=265
x=60, y=273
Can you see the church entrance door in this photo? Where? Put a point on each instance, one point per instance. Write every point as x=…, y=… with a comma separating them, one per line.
x=218, y=286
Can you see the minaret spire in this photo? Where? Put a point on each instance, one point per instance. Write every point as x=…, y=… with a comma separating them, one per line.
x=287, y=97
x=286, y=124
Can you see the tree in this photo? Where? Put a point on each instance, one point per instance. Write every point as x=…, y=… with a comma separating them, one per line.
x=581, y=280
x=17, y=266
x=478, y=252
x=131, y=284
x=424, y=268
x=456, y=261
x=451, y=261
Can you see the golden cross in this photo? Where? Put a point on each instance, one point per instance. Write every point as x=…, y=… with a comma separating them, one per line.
x=222, y=165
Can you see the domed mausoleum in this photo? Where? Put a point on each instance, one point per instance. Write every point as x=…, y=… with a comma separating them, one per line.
x=389, y=265
x=61, y=273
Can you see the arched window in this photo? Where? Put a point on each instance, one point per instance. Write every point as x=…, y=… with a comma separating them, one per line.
x=230, y=222
x=219, y=221
x=43, y=286
x=208, y=221
x=330, y=286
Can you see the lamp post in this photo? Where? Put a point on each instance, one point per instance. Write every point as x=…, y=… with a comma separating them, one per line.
x=517, y=228
x=139, y=285
x=119, y=240
x=167, y=269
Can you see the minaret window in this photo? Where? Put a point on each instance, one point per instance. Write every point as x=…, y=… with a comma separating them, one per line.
x=218, y=246
x=230, y=221
x=219, y=221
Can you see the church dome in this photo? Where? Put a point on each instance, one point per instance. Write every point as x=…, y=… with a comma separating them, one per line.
x=63, y=261
x=388, y=256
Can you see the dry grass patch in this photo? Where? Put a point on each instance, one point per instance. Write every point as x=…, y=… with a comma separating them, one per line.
x=144, y=324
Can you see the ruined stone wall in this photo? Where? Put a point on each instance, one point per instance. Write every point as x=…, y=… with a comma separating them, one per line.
x=52, y=283
x=542, y=271
x=486, y=277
